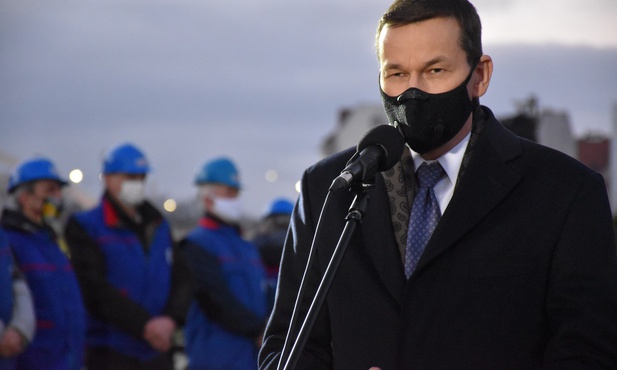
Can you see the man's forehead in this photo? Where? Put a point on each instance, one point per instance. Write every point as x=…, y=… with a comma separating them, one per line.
x=428, y=40
x=436, y=24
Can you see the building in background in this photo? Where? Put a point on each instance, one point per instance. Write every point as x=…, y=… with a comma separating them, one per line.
x=545, y=126
x=352, y=125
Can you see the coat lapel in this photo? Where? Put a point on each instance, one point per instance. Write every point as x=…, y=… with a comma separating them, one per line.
x=486, y=180
x=382, y=246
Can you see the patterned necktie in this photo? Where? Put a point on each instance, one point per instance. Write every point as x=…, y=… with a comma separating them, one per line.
x=425, y=214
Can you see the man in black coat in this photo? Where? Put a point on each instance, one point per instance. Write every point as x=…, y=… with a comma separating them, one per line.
x=520, y=271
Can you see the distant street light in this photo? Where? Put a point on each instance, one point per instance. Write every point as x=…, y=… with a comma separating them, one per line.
x=76, y=176
x=271, y=175
x=170, y=205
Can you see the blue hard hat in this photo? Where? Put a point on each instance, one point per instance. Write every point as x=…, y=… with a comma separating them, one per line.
x=219, y=171
x=280, y=206
x=33, y=170
x=126, y=158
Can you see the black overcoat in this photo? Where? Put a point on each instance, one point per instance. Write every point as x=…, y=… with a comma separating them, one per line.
x=520, y=272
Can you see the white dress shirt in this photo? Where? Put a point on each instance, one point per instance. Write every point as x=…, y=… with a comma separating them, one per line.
x=451, y=163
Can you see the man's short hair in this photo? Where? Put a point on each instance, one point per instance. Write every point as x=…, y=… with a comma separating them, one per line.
x=404, y=12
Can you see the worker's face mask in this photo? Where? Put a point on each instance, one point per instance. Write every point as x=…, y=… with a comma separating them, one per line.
x=428, y=121
x=132, y=192
x=227, y=209
x=52, y=207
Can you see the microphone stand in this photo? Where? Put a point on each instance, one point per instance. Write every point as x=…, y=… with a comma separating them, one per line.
x=353, y=219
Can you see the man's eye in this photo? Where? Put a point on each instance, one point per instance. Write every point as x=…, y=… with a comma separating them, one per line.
x=436, y=70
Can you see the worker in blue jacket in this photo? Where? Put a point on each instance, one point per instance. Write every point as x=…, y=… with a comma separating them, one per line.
x=269, y=239
x=123, y=255
x=17, y=320
x=226, y=320
x=35, y=189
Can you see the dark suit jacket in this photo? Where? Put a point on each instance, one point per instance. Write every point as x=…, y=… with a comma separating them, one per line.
x=521, y=271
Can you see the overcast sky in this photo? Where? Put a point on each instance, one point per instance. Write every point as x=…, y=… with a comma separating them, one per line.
x=260, y=81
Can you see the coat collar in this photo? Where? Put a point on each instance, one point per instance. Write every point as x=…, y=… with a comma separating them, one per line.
x=15, y=220
x=114, y=216
x=211, y=222
x=485, y=179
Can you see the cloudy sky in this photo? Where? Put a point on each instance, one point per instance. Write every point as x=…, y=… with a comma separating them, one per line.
x=260, y=81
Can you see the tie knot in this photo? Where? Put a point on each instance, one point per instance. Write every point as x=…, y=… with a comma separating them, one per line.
x=428, y=174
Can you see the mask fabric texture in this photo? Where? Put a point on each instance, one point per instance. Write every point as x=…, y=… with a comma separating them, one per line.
x=228, y=209
x=132, y=192
x=427, y=121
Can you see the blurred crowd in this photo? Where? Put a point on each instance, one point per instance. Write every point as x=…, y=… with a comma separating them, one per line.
x=110, y=288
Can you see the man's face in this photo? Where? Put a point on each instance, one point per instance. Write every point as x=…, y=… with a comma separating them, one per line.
x=32, y=202
x=218, y=191
x=224, y=191
x=425, y=55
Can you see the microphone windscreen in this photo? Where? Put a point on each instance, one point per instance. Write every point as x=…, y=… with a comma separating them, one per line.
x=390, y=139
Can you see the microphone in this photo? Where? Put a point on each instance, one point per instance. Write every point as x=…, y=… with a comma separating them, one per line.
x=379, y=150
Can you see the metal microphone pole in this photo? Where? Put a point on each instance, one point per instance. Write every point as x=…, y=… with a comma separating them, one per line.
x=353, y=219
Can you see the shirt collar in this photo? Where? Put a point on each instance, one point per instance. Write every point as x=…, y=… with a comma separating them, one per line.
x=450, y=161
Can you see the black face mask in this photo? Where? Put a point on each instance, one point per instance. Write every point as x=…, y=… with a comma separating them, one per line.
x=427, y=121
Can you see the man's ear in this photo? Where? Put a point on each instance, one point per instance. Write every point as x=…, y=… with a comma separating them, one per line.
x=482, y=76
